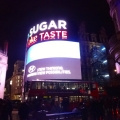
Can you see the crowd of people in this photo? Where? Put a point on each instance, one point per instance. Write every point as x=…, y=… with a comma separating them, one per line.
x=95, y=109
x=5, y=109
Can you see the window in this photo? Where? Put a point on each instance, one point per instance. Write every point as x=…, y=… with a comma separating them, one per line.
x=18, y=77
x=49, y=85
x=44, y=85
x=56, y=86
x=93, y=38
x=73, y=86
x=63, y=85
x=38, y=85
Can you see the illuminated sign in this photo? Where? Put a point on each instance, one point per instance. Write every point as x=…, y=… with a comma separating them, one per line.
x=3, y=69
x=53, y=60
x=50, y=55
x=47, y=31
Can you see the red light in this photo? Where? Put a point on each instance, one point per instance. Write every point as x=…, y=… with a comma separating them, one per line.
x=53, y=35
x=31, y=41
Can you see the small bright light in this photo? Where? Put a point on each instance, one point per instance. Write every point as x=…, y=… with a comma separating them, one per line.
x=23, y=70
x=106, y=75
x=11, y=82
x=73, y=88
x=104, y=61
x=36, y=97
x=115, y=70
x=26, y=98
x=89, y=92
x=68, y=88
x=4, y=89
x=103, y=48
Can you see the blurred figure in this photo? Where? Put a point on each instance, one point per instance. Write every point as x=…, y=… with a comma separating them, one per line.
x=56, y=108
x=0, y=107
x=77, y=109
x=94, y=109
x=23, y=111
x=4, y=111
x=65, y=104
x=100, y=110
x=10, y=108
x=84, y=111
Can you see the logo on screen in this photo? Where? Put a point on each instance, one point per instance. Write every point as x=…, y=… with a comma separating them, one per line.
x=31, y=69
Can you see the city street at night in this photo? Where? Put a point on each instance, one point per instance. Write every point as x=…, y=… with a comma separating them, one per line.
x=60, y=60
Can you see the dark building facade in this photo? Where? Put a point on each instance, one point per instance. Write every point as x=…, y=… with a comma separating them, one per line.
x=114, y=41
x=97, y=65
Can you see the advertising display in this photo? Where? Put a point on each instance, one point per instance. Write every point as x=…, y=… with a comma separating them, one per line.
x=3, y=69
x=46, y=31
x=117, y=68
x=50, y=55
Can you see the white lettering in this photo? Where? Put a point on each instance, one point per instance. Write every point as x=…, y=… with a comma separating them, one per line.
x=43, y=26
x=32, y=74
x=35, y=29
x=62, y=24
x=31, y=32
x=52, y=25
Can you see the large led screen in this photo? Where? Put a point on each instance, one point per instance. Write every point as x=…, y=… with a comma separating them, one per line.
x=53, y=60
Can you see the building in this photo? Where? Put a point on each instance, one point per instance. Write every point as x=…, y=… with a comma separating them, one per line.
x=114, y=41
x=7, y=93
x=96, y=70
x=3, y=68
x=97, y=65
x=14, y=84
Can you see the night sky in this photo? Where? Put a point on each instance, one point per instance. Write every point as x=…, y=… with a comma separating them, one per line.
x=17, y=17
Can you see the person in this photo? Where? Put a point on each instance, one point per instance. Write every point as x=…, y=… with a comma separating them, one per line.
x=4, y=111
x=10, y=108
x=23, y=111
x=56, y=108
x=84, y=111
x=65, y=105
x=76, y=109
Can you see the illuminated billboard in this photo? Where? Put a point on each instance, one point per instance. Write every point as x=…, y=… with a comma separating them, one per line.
x=3, y=69
x=46, y=31
x=49, y=54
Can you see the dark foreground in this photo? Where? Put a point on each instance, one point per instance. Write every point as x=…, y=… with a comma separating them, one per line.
x=106, y=117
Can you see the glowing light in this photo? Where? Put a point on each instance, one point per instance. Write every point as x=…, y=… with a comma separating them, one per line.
x=61, y=24
x=53, y=35
x=106, y=75
x=73, y=88
x=52, y=25
x=11, y=82
x=61, y=49
x=105, y=61
x=103, y=48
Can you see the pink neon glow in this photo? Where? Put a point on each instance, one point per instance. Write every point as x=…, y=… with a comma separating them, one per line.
x=117, y=68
